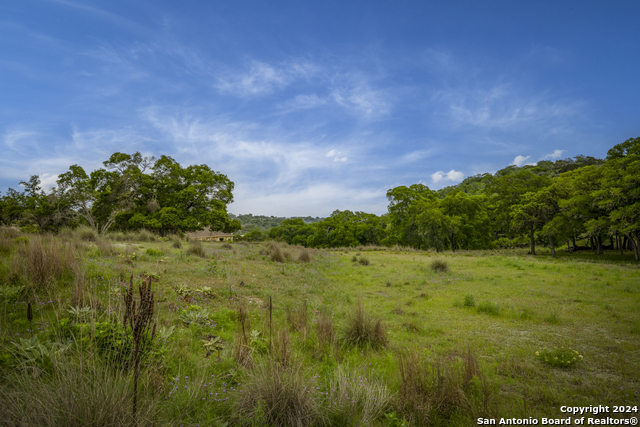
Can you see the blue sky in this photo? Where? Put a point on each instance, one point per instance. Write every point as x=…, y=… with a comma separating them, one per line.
x=315, y=106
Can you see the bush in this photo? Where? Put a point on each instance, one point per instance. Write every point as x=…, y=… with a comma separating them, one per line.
x=273, y=395
x=363, y=330
x=195, y=248
x=364, y=261
x=154, y=252
x=144, y=235
x=439, y=266
x=227, y=245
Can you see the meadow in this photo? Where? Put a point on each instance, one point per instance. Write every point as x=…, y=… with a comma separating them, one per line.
x=273, y=334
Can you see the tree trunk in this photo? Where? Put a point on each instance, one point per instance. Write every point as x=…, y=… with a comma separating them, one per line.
x=619, y=239
x=598, y=245
x=453, y=243
x=533, y=243
x=573, y=237
x=553, y=249
x=591, y=242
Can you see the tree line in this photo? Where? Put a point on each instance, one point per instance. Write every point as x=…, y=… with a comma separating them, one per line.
x=130, y=192
x=551, y=203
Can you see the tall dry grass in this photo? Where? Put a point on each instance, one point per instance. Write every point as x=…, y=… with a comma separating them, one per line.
x=363, y=330
x=41, y=261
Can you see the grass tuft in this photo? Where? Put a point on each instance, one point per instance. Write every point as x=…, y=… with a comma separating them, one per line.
x=439, y=266
x=362, y=330
x=196, y=248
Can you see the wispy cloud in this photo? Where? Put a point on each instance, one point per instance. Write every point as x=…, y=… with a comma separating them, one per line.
x=451, y=176
x=263, y=78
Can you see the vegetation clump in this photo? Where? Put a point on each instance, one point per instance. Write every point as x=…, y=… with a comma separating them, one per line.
x=196, y=248
x=439, y=266
x=559, y=357
x=363, y=330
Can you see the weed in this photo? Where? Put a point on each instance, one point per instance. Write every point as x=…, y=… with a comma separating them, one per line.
x=559, y=357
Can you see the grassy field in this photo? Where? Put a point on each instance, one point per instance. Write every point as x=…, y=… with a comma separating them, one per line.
x=461, y=336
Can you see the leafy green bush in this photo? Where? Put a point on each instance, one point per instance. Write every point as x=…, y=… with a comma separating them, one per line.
x=559, y=357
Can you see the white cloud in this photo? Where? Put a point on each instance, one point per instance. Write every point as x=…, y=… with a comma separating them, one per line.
x=555, y=155
x=520, y=160
x=264, y=78
x=452, y=175
x=340, y=159
x=331, y=153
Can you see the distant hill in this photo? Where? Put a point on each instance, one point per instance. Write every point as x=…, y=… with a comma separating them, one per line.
x=264, y=223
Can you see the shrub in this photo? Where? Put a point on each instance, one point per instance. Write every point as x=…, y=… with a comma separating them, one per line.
x=363, y=330
x=195, y=248
x=559, y=357
x=272, y=395
x=144, y=235
x=364, y=261
x=227, y=245
x=304, y=256
x=439, y=266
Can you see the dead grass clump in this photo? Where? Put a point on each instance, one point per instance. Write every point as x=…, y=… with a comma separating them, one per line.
x=88, y=393
x=196, y=248
x=273, y=395
x=176, y=243
x=85, y=233
x=105, y=247
x=283, y=348
x=41, y=261
x=227, y=245
x=304, y=256
x=80, y=279
x=297, y=317
x=364, y=261
x=363, y=330
x=325, y=329
x=439, y=266
x=6, y=239
x=275, y=252
x=436, y=391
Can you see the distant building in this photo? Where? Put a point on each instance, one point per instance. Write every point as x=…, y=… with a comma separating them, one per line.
x=210, y=236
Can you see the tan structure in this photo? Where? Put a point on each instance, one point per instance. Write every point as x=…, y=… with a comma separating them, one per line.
x=210, y=236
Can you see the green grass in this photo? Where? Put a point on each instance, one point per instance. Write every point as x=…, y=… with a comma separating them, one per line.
x=515, y=305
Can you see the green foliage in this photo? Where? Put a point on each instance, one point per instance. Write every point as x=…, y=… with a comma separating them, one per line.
x=559, y=357
x=469, y=301
x=10, y=293
x=154, y=252
x=33, y=354
x=194, y=315
x=489, y=307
